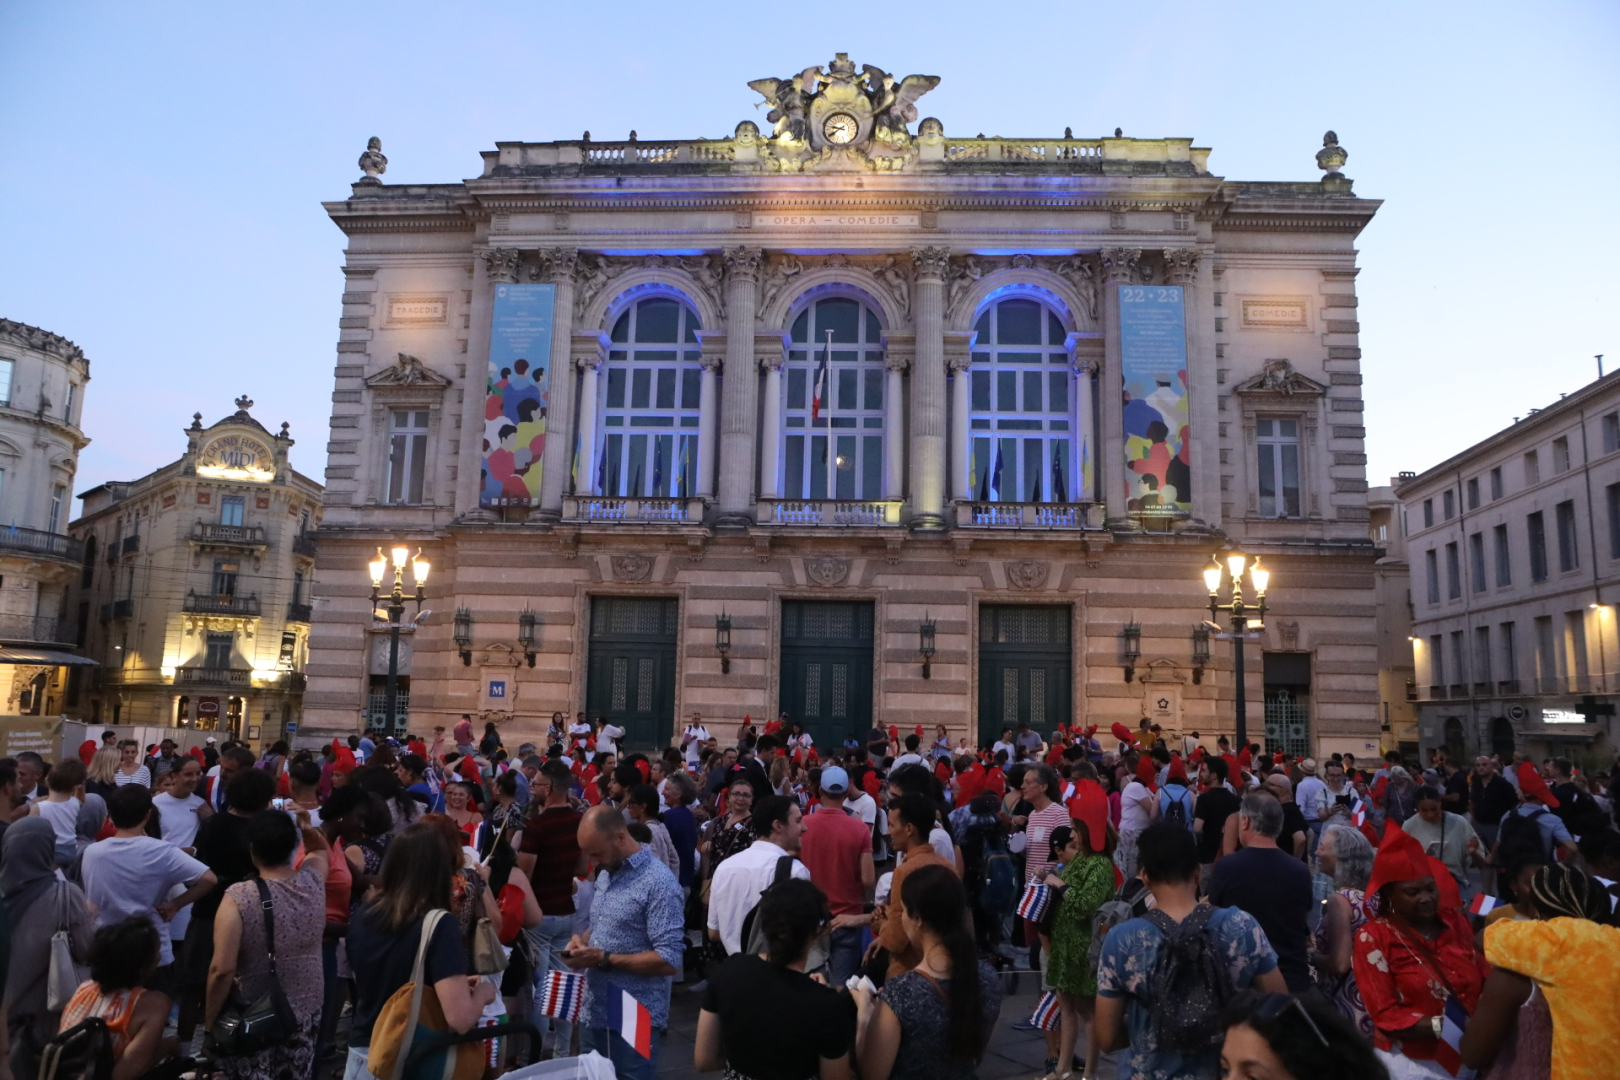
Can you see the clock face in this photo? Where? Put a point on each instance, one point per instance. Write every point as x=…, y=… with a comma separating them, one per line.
x=237, y=457
x=840, y=128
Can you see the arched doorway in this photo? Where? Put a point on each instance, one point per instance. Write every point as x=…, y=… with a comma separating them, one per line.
x=1502, y=738
x=1456, y=743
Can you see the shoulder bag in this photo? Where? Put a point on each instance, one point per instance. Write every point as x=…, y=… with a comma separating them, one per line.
x=64, y=976
x=414, y=1011
x=269, y=1021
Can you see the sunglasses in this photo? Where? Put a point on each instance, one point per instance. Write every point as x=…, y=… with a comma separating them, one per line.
x=1274, y=1005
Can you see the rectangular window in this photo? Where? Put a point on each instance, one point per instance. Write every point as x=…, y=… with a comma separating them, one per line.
x=1560, y=455
x=1532, y=468
x=407, y=455
x=58, y=497
x=1611, y=432
x=1569, y=552
x=1437, y=661
x=1428, y=513
x=1459, y=662
x=67, y=407
x=5, y=382
x=1612, y=492
x=1453, y=573
x=1496, y=482
x=1473, y=493
x=220, y=647
x=232, y=509
x=1476, y=561
x=1537, y=527
x=1504, y=561
x=1431, y=563
x=1509, y=652
x=225, y=571
x=1482, y=659
x=1278, y=445
x=1546, y=658
x=1449, y=499
x=298, y=587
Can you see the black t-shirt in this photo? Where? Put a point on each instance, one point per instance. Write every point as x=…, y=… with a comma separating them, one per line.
x=1293, y=822
x=382, y=963
x=1457, y=784
x=222, y=846
x=777, y=1024
x=1491, y=800
x=1275, y=888
x=1213, y=808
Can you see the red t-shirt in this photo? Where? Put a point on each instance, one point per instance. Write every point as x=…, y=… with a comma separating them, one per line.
x=832, y=848
x=552, y=837
x=995, y=780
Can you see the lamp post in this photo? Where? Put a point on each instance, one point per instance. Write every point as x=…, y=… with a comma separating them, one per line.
x=396, y=611
x=1237, y=564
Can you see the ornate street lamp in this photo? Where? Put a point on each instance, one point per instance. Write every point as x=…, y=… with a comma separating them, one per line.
x=463, y=634
x=925, y=645
x=378, y=568
x=1232, y=573
x=1200, y=651
x=1130, y=647
x=722, y=641
x=526, y=635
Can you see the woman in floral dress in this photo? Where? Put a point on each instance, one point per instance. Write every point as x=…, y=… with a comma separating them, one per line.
x=1088, y=880
x=1346, y=855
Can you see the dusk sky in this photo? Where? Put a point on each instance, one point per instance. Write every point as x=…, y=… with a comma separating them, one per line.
x=162, y=165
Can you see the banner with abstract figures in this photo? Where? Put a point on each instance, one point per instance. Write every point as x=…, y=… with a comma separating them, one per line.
x=517, y=394
x=1153, y=360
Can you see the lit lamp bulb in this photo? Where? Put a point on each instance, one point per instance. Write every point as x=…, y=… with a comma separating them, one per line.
x=1235, y=564
x=419, y=569
x=1212, y=575
x=400, y=555
x=378, y=567
x=1259, y=577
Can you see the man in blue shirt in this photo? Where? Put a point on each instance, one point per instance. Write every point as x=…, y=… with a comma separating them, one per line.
x=635, y=941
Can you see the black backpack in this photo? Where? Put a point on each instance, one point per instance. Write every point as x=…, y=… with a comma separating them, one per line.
x=1521, y=839
x=1190, y=985
x=753, y=942
x=1176, y=811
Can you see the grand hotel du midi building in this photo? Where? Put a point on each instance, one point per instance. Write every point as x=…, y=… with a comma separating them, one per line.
x=596, y=383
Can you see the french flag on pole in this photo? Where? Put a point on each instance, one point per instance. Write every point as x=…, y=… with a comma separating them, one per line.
x=1448, y=1052
x=821, y=390
x=1358, y=812
x=632, y=1021
x=1483, y=904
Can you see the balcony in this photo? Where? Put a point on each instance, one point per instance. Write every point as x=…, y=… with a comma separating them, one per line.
x=118, y=610
x=291, y=681
x=40, y=542
x=1031, y=516
x=829, y=512
x=304, y=544
x=213, y=676
x=1507, y=686
x=208, y=604
x=1437, y=692
x=208, y=534
x=1459, y=690
x=585, y=508
x=297, y=612
x=33, y=629
x=131, y=544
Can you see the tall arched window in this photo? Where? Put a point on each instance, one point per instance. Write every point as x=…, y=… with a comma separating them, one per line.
x=650, y=410
x=1022, y=446
x=851, y=403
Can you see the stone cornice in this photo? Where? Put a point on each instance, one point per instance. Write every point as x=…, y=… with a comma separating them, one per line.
x=32, y=337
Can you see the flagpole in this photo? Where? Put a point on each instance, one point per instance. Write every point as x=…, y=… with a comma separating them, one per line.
x=831, y=495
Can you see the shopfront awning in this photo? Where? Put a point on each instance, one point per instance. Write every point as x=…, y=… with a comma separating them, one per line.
x=44, y=656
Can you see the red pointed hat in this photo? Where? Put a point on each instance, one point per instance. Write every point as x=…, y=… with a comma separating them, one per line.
x=1122, y=733
x=1401, y=858
x=1090, y=805
x=1147, y=774
x=1178, y=771
x=1531, y=783
x=1091, y=729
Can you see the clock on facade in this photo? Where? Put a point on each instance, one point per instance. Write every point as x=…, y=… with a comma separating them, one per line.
x=237, y=457
x=840, y=128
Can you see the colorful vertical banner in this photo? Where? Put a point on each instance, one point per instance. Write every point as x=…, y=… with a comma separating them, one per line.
x=1153, y=360
x=515, y=408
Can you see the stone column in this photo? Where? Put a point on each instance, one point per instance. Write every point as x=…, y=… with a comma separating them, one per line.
x=1085, y=361
x=556, y=267
x=739, y=403
x=928, y=391
x=500, y=268
x=961, y=482
x=1119, y=264
x=894, y=426
x=770, y=444
x=708, y=413
x=591, y=376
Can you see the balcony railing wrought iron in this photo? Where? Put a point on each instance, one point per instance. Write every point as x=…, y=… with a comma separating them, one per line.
x=33, y=628
x=212, y=676
x=297, y=612
x=1002, y=515
x=828, y=512
x=304, y=544
x=210, y=604
x=208, y=532
x=40, y=542
x=655, y=511
x=118, y=609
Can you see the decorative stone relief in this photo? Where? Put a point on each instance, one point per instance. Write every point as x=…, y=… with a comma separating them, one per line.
x=828, y=571
x=632, y=568
x=742, y=263
x=1288, y=634
x=1279, y=377
x=408, y=371
x=778, y=273
x=934, y=262
x=1181, y=265
x=1027, y=574
x=1119, y=264
x=1331, y=158
x=373, y=164
x=838, y=120
x=501, y=264
x=556, y=265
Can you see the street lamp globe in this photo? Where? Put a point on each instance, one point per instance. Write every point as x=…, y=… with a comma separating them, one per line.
x=378, y=567
x=1235, y=563
x=419, y=569
x=1261, y=578
x=401, y=553
x=1212, y=576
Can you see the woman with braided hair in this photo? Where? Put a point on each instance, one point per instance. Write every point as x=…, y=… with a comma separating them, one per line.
x=1548, y=1009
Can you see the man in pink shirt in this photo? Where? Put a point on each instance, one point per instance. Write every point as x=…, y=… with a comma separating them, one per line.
x=837, y=850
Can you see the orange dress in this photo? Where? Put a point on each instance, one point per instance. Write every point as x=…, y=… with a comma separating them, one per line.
x=116, y=1009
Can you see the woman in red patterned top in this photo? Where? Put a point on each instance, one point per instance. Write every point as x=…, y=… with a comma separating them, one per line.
x=1415, y=953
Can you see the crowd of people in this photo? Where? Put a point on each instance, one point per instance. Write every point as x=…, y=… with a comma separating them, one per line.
x=1188, y=911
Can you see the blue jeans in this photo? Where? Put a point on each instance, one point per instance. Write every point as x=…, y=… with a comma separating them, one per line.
x=626, y=1062
x=843, y=955
x=550, y=938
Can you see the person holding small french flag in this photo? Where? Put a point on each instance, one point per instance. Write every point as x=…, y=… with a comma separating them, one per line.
x=634, y=942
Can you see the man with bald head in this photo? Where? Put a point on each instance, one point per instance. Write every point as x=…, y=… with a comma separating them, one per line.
x=634, y=942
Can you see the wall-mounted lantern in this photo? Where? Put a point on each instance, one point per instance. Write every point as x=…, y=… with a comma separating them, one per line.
x=526, y=634
x=722, y=641
x=463, y=631
x=925, y=645
x=1131, y=640
x=1200, y=651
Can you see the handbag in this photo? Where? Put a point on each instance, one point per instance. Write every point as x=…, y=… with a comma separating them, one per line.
x=64, y=976
x=267, y=1022
x=488, y=955
x=414, y=1010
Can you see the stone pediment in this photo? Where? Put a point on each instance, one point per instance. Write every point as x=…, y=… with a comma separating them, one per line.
x=1279, y=377
x=410, y=373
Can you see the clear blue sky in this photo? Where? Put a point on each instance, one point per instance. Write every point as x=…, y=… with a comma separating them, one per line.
x=162, y=165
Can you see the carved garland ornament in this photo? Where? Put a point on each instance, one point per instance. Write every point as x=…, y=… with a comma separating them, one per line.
x=632, y=567
x=827, y=571
x=1027, y=574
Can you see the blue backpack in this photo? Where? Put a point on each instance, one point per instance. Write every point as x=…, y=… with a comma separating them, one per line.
x=1177, y=808
x=998, y=890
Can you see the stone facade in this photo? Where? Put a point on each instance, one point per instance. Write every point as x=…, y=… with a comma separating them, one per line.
x=1397, y=678
x=988, y=304
x=1515, y=562
x=197, y=585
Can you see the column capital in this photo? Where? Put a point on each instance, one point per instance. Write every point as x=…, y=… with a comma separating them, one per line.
x=896, y=363
x=556, y=265
x=932, y=263
x=1181, y=265
x=501, y=264
x=772, y=362
x=591, y=365
x=742, y=263
x=1119, y=264
x=711, y=362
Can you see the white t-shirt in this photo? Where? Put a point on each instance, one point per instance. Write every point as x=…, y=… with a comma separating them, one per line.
x=1132, y=818
x=607, y=740
x=579, y=732
x=1012, y=751
x=131, y=875
x=864, y=807
x=177, y=818
x=940, y=841
x=694, y=749
x=736, y=887
x=906, y=759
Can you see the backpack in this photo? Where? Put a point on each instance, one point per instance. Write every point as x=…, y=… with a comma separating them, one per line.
x=1521, y=839
x=753, y=935
x=1175, y=808
x=1104, y=919
x=998, y=889
x=82, y=1052
x=1190, y=985
x=1581, y=812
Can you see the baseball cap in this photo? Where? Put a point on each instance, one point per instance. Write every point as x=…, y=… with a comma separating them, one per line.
x=834, y=780
x=210, y=739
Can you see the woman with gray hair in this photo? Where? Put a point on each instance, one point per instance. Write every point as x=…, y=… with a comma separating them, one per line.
x=1347, y=856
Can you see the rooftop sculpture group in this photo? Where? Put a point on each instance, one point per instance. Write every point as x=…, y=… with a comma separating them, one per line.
x=837, y=116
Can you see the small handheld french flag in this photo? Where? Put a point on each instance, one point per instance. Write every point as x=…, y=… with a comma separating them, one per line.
x=1484, y=904
x=632, y=1021
x=561, y=995
x=1033, y=904
x=1358, y=812
x=1448, y=1052
x=1047, y=1015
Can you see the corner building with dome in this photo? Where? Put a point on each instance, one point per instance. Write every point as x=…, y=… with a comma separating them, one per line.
x=846, y=419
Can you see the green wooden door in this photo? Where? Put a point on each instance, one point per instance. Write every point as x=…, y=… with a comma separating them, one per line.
x=630, y=668
x=827, y=668
x=1025, y=668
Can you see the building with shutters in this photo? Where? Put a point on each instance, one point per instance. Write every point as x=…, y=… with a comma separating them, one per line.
x=853, y=421
x=195, y=590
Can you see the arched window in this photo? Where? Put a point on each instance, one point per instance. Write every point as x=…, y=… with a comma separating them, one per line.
x=851, y=402
x=650, y=410
x=1022, y=446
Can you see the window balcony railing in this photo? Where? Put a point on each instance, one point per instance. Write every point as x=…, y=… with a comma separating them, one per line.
x=1459, y=690
x=118, y=609
x=32, y=628
x=304, y=544
x=1437, y=692
x=1507, y=686
x=213, y=676
x=1482, y=689
x=291, y=681
x=297, y=612
x=132, y=544
x=1004, y=515
x=210, y=604
x=208, y=532
x=642, y=511
x=40, y=542
x=828, y=512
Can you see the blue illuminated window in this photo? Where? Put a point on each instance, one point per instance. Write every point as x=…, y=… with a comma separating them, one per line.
x=851, y=403
x=650, y=403
x=1023, y=443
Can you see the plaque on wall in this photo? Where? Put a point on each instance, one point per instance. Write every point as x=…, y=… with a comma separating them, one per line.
x=1276, y=313
x=416, y=309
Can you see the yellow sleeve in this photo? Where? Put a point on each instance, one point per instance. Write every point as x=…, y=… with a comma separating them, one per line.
x=1529, y=947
